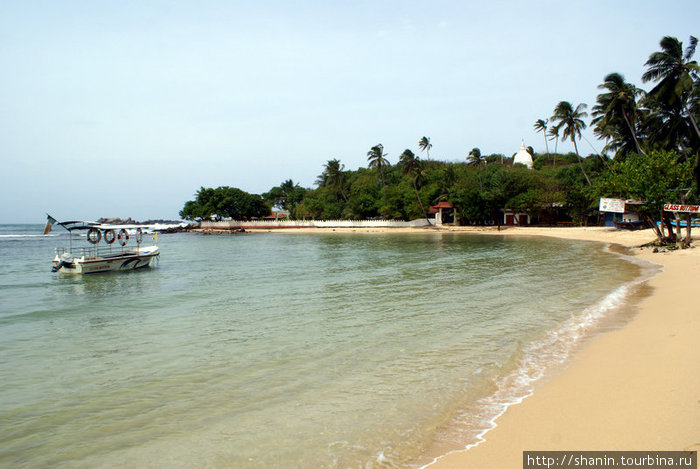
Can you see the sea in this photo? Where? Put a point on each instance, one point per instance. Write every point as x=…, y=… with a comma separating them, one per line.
x=290, y=350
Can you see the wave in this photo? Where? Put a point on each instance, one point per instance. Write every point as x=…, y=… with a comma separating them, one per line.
x=20, y=236
x=538, y=358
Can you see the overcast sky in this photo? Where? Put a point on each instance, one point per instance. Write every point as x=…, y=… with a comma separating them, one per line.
x=126, y=108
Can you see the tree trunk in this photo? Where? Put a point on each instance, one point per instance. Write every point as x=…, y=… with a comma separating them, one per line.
x=425, y=214
x=658, y=229
x=634, y=134
x=580, y=162
x=669, y=227
x=692, y=120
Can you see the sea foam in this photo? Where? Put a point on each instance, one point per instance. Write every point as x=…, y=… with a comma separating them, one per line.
x=539, y=357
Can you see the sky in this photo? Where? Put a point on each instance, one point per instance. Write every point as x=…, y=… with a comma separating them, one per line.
x=125, y=109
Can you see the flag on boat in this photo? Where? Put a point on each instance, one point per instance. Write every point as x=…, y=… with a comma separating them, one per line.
x=155, y=235
x=49, y=223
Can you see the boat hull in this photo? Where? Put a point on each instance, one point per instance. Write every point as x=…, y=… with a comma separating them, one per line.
x=100, y=264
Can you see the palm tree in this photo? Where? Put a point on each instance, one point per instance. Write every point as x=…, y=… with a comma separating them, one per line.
x=615, y=114
x=676, y=75
x=376, y=160
x=571, y=121
x=475, y=158
x=413, y=167
x=554, y=135
x=425, y=145
x=333, y=177
x=541, y=126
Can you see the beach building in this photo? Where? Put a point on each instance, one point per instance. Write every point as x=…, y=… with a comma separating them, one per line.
x=277, y=214
x=511, y=218
x=619, y=210
x=523, y=156
x=445, y=213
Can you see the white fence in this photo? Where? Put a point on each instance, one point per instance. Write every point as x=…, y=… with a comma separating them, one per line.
x=237, y=224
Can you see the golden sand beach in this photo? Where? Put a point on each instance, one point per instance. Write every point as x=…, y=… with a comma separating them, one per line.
x=634, y=388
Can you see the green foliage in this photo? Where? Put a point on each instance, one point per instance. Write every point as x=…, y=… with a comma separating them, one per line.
x=654, y=136
x=657, y=179
x=286, y=195
x=615, y=115
x=570, y=122
x=224, y=202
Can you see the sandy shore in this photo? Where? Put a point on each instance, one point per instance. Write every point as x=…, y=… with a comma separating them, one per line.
x=636, y=388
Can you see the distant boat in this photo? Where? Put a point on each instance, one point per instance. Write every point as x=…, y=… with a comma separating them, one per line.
x=694, y=223
x=630, y=225
x=112, y=255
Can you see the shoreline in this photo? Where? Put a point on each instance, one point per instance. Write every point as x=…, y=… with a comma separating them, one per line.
x=633, y=387
x=630, y=388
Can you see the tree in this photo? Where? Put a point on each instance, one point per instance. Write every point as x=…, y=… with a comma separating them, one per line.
x=541, y=126
x=376, y=160
x=656, y=179
x=425, y=145
x=286, y=195
x=333, y=177
x=474, y=158
x=615, y=114
x=554, y=134
x=676, y=75
x=571, y=121
x=412, y=167
x=224, y=202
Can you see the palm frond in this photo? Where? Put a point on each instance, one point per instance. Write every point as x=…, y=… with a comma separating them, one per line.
x=690, y=50
x=672, y=46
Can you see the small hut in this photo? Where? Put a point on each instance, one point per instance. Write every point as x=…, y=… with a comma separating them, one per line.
x=444, y=213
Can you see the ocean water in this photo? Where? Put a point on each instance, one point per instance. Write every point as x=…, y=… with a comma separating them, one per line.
x=287, y=350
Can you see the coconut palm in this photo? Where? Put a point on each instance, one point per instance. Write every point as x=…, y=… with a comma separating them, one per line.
x=413, y=167
x=554, y=135
x=425, y=145
x=333, y=177
x=475, y=158
x=541, y=126
x=676, y=75
x=376, y=160
x=615, y=114
x=570, y=120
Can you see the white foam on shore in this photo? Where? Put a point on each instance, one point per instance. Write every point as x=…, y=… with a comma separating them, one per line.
x=22, y=236
x=540, y=357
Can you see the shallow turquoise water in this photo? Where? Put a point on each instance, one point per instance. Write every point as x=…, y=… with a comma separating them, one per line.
x=293, y=351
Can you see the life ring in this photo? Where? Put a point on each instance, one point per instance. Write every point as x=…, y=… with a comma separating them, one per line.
x=110, y=236
x=94, y=235
x=123, y=237
x=139, y=235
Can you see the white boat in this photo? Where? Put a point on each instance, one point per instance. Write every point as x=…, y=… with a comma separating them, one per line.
x=107, y=249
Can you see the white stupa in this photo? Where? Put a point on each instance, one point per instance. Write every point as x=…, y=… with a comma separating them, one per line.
x=523, y=156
